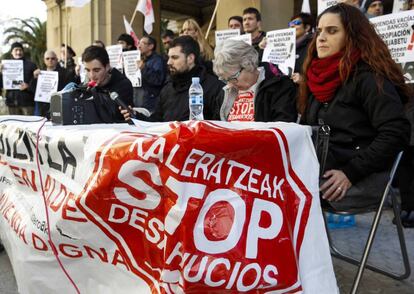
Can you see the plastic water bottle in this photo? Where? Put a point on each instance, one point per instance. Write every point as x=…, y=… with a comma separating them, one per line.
x=195, y=94
x=338, y=221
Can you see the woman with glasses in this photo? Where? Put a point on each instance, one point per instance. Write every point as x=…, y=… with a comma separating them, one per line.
x=352, y=84
x=253, y=92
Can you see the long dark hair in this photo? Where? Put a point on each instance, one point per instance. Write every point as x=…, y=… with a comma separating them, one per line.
x=361, y=36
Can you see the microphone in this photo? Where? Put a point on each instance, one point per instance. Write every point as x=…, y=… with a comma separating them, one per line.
x=115, y=97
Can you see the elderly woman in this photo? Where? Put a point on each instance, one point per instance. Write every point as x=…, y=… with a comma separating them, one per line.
x=253, y=92
x=353, y=85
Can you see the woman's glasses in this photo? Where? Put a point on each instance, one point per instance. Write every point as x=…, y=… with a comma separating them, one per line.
x=295, y=22
x=232, y=77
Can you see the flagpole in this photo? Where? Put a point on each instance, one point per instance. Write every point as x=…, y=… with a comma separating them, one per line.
x=212, y=19
x=134, y=14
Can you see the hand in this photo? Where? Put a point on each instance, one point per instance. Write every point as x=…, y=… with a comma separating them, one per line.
x=336, y=185
x=77, y=70
x=36, y=73
x=296, y=78
x=125, y=112
x=24, y=86
x=263, y=43
x=140, y=64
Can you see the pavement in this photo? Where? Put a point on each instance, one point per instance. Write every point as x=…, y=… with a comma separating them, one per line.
x=385, y=253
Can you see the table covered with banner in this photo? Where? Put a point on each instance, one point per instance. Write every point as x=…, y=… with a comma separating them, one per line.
x=194, y=207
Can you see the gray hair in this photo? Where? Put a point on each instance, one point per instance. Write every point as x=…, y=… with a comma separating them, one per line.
x=232, y=55
x=50, y=52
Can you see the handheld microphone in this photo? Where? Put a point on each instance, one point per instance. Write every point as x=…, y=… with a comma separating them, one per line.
x=115, y=97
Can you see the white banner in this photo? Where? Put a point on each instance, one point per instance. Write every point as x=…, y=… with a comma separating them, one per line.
x=137, y=210
x=397, y=32
x=281, y=49
x=47, y=84
x=12, y=73
x=247, y=38
x=323, y=4
x=226, y=34
x=131, y=70
x=115, y=56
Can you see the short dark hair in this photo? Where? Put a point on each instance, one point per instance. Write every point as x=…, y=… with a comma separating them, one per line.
x=127, y=39
x=188, y=46
x=252, y=10
x=95, y=52
x=152, y=41
x=168, y=33
x=69, y=49
x=236, y=17
x=307, y=19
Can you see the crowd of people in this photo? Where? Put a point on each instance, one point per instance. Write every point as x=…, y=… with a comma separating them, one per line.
x=344, y=77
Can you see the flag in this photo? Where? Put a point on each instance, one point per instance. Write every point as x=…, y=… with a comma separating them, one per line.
x=306, y=6
x=77, y=3
x=145, y=7
x=130, y=31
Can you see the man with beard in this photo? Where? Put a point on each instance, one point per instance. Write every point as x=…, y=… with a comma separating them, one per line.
x=183, y=64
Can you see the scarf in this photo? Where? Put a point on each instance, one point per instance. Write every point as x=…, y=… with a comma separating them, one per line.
x=323, y=75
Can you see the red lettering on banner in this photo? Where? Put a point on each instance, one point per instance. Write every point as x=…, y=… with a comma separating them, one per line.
x=118, y=258
x=38, y=243
x=13, y=217
x=69, y=250
x=103, y=255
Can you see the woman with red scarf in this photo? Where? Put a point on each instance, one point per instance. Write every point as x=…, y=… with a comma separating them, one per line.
x=353, y=85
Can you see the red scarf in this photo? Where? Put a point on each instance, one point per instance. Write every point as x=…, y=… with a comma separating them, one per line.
x=323, y=75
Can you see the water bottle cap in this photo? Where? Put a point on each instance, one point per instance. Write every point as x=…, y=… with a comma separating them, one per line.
x=195, y=79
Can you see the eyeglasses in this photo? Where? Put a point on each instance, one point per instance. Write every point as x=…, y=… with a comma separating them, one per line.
x=50, y=58
x=231, y=78
x=295, y=22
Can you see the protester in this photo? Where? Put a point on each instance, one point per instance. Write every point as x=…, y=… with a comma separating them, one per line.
x=183, y=64
x=107, y=80
x=252, y=20
x=21, y=102
x=98, y=43
x=167, y=37
x=192, y=29
x=153, y=70
x=254, y=92
x=64, y=77
x=374, y=8
x=127, y=42
x=68, y=54
x=353, y=85
x=304, y=25
x=236, y=23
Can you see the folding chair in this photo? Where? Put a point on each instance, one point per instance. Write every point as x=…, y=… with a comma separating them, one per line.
x=324, y=130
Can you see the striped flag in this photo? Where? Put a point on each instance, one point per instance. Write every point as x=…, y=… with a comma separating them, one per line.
x=130, y=31
x=145, y=7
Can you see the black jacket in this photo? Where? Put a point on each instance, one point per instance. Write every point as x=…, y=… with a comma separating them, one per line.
x=106, y=108
x=301, y=52
x=275, y=99
x=173, y=105
x=368, y=126
x=256, y=42
x=26, y=97
x=153, y=78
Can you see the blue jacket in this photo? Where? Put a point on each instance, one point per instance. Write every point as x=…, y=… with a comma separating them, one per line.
x=153, y=78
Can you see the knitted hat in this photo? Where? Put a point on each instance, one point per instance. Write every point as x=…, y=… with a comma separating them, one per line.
x=16, y=45
x=369, y=2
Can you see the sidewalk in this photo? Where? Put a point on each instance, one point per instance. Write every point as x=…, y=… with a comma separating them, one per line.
x=385, y=252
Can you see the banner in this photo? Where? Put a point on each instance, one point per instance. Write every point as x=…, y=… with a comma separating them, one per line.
x=145, y=7
x=163, y=208
x=12, y=73
x=115, y=56
x=131, y=70
x=247, y=38
x=47, y=84
x=323, y=4
x=397, y=31
x=281, y=49
x=226, y=34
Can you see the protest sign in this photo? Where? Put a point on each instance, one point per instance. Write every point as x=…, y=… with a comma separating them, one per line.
x=131, y=70
x=115, y=56
x=281, y=49
x=225, y=34
x=164, y=208
x=323, y=4
x=247, y=38
x=47, y=84
x=397, y=32
x=12, y=73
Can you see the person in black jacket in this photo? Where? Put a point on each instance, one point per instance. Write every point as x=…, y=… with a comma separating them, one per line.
x=106, y=80
x=183, y=64
x=21, y=102
x=254, y=92
x=353, y=85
